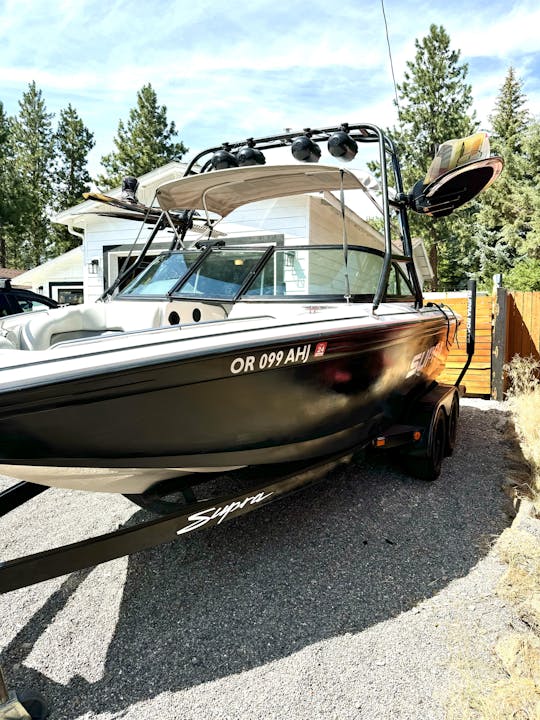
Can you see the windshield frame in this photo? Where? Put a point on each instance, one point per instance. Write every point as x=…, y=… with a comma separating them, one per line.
x=174, y=292
x=265, y=255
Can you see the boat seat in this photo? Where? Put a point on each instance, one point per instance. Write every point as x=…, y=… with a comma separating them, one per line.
x=75, y=323
x=6, y=344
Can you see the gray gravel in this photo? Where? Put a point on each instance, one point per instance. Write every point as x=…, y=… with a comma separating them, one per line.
x=352, y=599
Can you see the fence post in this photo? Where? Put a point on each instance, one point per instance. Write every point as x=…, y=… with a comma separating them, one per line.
x=498, y=348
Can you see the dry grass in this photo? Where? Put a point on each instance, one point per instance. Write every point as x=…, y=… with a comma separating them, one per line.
x=524, y=402
x=512, y=690
x=520, y=584
x=522, y=374
x=515, y=693
x=514, y=698
x=507, y=689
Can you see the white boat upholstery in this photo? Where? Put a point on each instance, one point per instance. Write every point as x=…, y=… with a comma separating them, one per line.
x=6, y=344
x=10, y=332
x=72, y=323
x=85, y=321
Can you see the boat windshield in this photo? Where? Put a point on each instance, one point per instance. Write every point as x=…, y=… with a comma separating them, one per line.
x=318, y=271
x=162, y=274
x=227, y=273
x=220, y=275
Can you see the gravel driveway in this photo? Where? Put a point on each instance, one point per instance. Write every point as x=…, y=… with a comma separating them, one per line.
x=352, y=599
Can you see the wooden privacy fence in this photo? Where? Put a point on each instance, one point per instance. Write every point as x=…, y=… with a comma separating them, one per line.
x=507, y=324
x=523, y=335
x=477, y=379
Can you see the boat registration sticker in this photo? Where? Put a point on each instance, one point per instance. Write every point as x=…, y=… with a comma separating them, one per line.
x=275, y=358
x=320, y=349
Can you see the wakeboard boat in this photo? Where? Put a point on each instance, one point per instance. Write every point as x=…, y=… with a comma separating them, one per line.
x=270, y=360
x=219, y=355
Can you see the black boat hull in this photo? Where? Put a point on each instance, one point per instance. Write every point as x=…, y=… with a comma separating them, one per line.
x=280, y=402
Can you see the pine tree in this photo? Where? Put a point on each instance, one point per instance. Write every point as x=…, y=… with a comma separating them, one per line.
x=506, y=218
x=435, y=102
x=33, y=154
x=510, y=118
x=144, y=143
x=5, y=185
x=435, y=105
x=73, y=142
x=11, y=196
x=530, y=243
x=525, y=275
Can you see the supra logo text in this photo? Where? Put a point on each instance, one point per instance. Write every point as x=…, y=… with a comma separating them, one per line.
x=198, y=519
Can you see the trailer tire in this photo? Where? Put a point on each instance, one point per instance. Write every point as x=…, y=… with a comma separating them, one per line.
x=452, y=427
x=428, y=466
x=34, y=704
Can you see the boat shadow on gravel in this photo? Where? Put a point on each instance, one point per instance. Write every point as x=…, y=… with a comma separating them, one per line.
x=359, y=548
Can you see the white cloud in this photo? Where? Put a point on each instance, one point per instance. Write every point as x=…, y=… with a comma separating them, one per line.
x=67, y=82
x=502, y=35
x=264, y=66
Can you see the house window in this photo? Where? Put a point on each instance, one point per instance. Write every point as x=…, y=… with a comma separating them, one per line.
x=67, y=293
x=70, y=296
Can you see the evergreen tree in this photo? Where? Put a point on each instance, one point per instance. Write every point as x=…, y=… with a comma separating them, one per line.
x=435, y=105
x=510, y=118
x=507, y=216
x=6, y=210
x=525, y=275
x=11, y=197
x=33, y=154
x=530, y=244
x=73, y=142
x=144, y=143
x=435, y=102
x=455, y=259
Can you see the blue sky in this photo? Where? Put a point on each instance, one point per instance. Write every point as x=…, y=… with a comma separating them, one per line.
x=231, y=70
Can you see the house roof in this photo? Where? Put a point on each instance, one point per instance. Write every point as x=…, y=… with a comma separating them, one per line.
x=74, y=216
x=9, y=272
x=421, y=259
x=71, y=257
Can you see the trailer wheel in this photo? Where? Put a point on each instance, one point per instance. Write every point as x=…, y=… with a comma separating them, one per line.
x=428, y=466
x=34, y=704
x=452, y=426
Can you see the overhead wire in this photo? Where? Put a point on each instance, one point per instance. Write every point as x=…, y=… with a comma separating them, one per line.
x=390, y=57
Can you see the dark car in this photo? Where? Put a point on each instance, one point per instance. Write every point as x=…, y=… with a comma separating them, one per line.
x=16, y=300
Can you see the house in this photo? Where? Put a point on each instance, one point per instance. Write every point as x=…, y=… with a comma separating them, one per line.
x=109, y=243
x=60, y=278
x=106, y=241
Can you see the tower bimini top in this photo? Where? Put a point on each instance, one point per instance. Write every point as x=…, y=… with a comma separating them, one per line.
x=233, y=177
x=223, y=191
